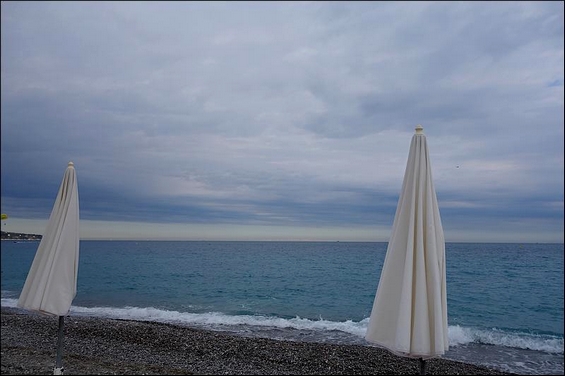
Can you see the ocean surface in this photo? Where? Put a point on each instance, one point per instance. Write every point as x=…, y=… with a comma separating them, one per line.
x=505, y=301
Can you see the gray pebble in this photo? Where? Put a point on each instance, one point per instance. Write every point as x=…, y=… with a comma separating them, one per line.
x=94, y=346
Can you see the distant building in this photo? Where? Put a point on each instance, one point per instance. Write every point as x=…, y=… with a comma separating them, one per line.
x=19, y=236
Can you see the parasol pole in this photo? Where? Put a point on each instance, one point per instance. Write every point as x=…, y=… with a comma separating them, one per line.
x=422, y=366
x=59, y=362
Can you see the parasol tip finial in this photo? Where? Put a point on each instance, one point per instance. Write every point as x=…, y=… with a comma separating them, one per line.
x=71, y=164
x=419, y=129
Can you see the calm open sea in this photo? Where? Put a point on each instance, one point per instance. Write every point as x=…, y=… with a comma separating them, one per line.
x=505, y=301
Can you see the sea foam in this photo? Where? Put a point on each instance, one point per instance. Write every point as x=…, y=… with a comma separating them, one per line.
x=458, y=335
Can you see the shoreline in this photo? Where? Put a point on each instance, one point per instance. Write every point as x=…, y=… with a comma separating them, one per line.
x=125, y=347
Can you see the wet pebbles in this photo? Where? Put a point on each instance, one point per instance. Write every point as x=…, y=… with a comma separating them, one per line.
x=94, y=346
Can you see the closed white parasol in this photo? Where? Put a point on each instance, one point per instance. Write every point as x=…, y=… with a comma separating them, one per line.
x=409, y=315
x=51, y=283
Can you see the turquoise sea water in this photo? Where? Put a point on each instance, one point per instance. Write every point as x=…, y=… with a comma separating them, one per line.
x=505, y=301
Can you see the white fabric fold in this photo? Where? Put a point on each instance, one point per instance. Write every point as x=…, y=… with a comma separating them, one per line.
x=51, y=283
x=409, y=314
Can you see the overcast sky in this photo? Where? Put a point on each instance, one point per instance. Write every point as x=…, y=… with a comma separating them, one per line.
x=283, y=120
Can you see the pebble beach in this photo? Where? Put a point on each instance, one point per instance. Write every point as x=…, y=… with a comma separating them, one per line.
x=95, y=346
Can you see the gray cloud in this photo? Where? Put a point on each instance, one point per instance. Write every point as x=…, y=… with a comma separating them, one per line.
x=294, y=113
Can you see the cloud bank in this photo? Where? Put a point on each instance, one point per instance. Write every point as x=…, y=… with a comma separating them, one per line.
x=284, y=115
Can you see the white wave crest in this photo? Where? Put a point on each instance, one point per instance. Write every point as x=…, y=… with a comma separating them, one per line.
x=457, y=335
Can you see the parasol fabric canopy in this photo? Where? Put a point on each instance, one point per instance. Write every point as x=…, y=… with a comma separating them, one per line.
x=51, y=283
x=409, y=315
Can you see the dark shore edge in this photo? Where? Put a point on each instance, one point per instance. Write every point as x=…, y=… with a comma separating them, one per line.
x=95, y=346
